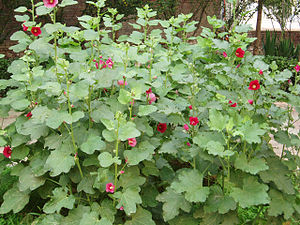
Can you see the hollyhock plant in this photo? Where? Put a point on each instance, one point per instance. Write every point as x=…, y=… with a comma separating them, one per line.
x=162, y=127
x=150, y=96
x=50, y=3
x=297, y=68
x=254, y=85
x=7, y=151
x=36, y=31
x=240, y=53
x=186, y=127
x=232, y=104
x=132, y=142
x=250, y=101
x=194, y=121
x=110, y=187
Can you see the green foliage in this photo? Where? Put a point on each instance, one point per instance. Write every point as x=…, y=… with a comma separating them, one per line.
x=169, y=146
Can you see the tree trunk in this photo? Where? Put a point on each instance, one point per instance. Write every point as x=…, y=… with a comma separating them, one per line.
x=258, y=43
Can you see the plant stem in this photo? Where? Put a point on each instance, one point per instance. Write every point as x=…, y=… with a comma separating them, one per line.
x=32, y=10
x=117, y=153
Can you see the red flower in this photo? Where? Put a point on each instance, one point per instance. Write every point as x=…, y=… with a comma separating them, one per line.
x=149, y=91
x=191, y=107
x=250, y=101
x=194, y=121
x=110, y=187
x=7, y=151
x=36, y=31
x=240, y=53
x=232, y=105
x=29, y=115
x=261, y=72
x=254, y=85
x=162, y=127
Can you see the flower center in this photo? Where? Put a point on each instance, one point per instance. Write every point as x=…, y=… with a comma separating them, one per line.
x=111, y=187
x=51, y=1
x=253, y=86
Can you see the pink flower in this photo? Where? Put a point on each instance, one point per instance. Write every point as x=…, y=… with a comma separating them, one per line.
x=121, y=208
x=122, y=171
x=110, y=187
x=261, y=72
x=155, y=77
x=191, y=107
x=162, y=127
x=151, y=98
x=109, y=63
x=97, y=65
x=194, y=121
x=121, y=82
x=250, y=101
x=7, y=151
x=186, y=127
x=238, y=66
x=188, y=144
x=132, y=142
x=297, y=68
x=132, y=102
x=25, y=28
x=224, y=54
x=232, y=104
x=50, y=3
x=36, y=31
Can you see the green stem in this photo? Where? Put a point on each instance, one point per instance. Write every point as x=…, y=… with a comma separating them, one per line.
x=55, y=47
x=257, y=215
x=89, y=107
x=32, y=12
x=117, y=153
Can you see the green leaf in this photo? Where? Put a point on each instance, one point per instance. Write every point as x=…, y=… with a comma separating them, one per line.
x=42, y=10
x=172, y=202
x=60, y=160
x=128, y=130
x=141, y=217
x=52, y=219
x=149, y=194
x=150, y=169
x=67, y=3
x=3, y=141
x=56, y=118
x=76, y=116
x=51, y=28
x=184, y=220
x=105, y=159
x=34, y=130
x=216, y=148
x=252, y=166
x=216, y=120
x=79, y=91
x=251, y=132
x=37, y=163
x=92, y=144
x=107, y=210
x=20, y=152
x=144, y=151
x=124, y=97
x=277, y=173
x=252, y=193
x=128, y=199
x=27, y=180
x=14, y=200
x=281, y=204
x=145, y=110
x=21, y=9
x=20, y=104
x=92, y=219
x=131, y=178
x=17, y=139
x=170, y=147
x=75, y=215
x=191, y=183
x=204, y=137
x=102, y=112
x=86, y=184
x=218, y=202
x=59, y=200
x=90, y=35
